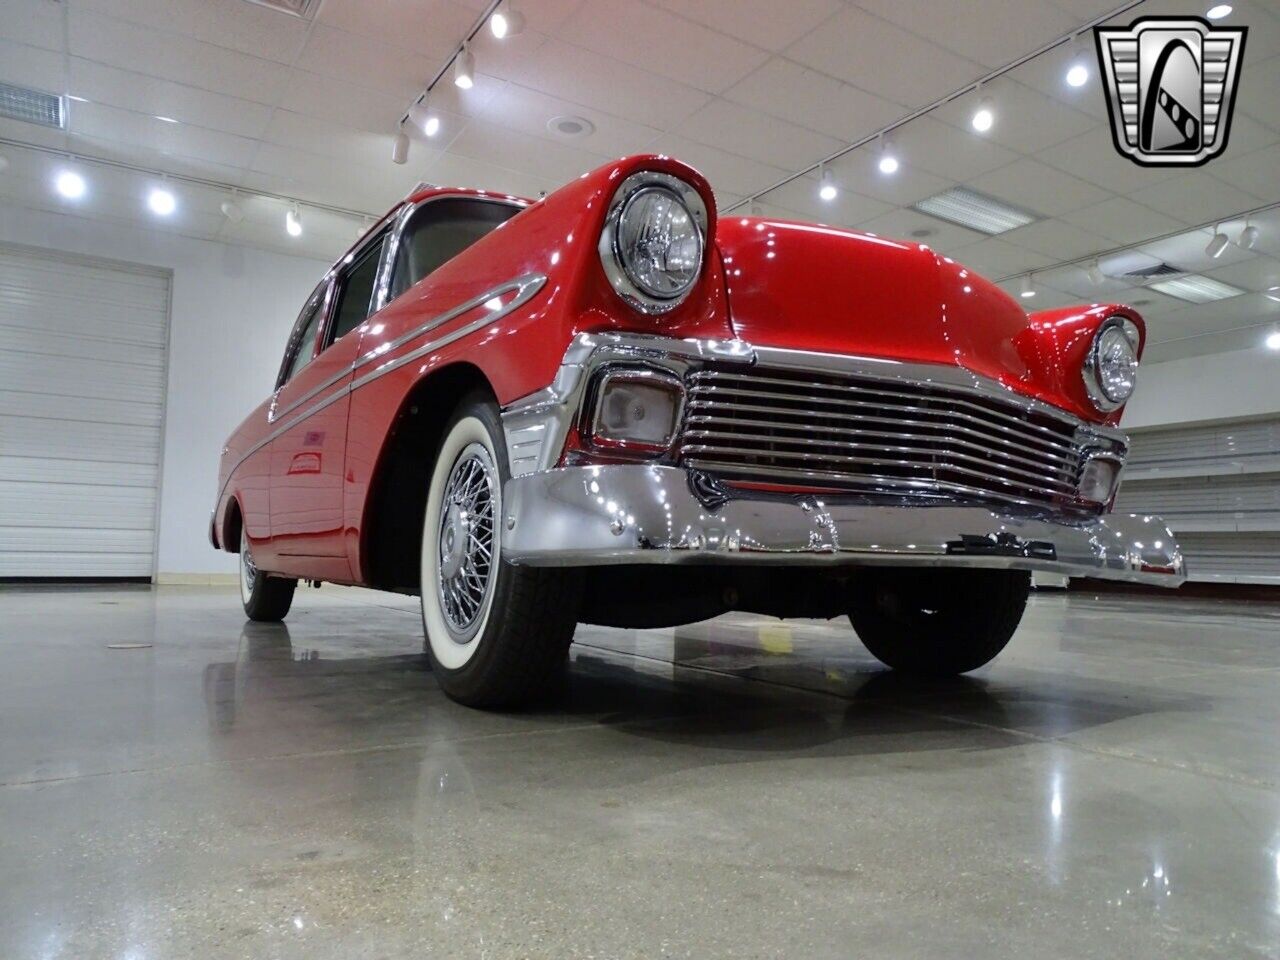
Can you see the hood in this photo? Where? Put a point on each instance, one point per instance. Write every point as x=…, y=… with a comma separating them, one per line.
x=806, y=286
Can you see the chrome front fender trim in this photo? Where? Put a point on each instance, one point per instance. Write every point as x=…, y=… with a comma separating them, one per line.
x=586, y=516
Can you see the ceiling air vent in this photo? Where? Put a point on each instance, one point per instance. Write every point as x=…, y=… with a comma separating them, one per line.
x=1148, y=273
x=975, y=210
x=295, y=8
x=32, y=106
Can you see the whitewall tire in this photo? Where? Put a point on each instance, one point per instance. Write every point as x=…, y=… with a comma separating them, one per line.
x=264, y=598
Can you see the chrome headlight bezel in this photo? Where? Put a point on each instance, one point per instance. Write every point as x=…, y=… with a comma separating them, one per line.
x=1094, y=383
x=616, y=269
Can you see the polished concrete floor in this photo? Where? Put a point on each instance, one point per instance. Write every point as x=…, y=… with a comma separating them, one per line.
x=176, y=783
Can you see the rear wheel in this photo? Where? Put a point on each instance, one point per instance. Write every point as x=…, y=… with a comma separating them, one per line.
x=934, y=621
x=265, y=598
x=497, y=635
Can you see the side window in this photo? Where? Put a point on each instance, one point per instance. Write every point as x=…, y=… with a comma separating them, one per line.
x=440, y=230
x=302, y=343
x=356, y=291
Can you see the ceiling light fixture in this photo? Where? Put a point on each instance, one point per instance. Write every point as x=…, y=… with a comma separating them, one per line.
x=293, y=221
x=1078, y=65
x=1027, y=290
x=1248, y=236
x=70, y=184
x=827, y=187
x=1273, y=341
x=166, y=119
x=1195, y=288
x=507, y=23
x=400, y=148
x=464, y=68
x=231, y=209
x=984, y=117
x=1217, y=244
x=974, y=210
x=888, y=162
x=421, y=116
x=161, y=201
x=1218, y=11
x=1096, y=276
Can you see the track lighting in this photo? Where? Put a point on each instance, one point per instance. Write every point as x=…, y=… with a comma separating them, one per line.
x=507, y=22
x=1273, y=341
x=1217, y=244
x=1218, y=11
x=421, y=117
x=1028, y=291
x=888, y=162
x=293, y=221
x=70, y=184
x=464, y=68
x=827, y=187
x=1248, y=236
x=231, y=210
x=400, y=148
x=1096, y=276
x=1077, y=65
x=161, y=202
x=984, y=117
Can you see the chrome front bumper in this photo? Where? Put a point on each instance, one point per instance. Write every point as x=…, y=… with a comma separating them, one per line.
x=585, y=516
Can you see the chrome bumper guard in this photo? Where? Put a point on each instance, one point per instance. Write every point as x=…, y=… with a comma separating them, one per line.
x=624, y=514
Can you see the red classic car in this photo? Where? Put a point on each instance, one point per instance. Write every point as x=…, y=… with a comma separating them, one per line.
x=609, y=406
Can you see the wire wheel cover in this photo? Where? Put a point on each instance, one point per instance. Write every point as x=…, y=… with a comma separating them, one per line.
x=466, y=541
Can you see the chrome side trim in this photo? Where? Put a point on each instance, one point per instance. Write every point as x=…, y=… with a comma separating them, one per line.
x=526, y=287
x=647, y=514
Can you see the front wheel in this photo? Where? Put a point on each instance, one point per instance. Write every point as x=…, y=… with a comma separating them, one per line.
x=265, y=599
x=935, y=621
x=496, y=634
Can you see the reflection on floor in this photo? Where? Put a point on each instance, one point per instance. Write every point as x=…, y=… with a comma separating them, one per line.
x=1109, y=787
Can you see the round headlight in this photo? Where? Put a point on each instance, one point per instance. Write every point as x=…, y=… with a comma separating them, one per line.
x=1111, y=367
x=652, y=243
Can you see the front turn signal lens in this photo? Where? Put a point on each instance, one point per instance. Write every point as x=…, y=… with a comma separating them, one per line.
x=1098, y=480
x=636, y=410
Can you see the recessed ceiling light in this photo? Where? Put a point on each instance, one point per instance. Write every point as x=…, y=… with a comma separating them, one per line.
x=161, y=202
x=70, y=184
x=573, y=127
x=1196, y=289
x=974, y=210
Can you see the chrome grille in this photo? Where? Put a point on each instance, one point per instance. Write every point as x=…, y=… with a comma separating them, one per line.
x=874, y=436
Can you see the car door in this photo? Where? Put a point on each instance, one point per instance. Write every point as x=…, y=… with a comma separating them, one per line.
x=311, y=407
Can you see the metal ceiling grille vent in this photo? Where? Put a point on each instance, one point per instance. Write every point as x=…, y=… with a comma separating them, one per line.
x=1147, y=273
x=32, y=106
x=295, y=8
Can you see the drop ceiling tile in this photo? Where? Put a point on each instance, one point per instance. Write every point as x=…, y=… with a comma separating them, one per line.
x=990, y=32
x=343, y=105
x=169, y=139
x=550, y=162
x=882, y=58
x=1259, y=274
x=1186, y=251
x=34, y=22
x=579, y=75
x=325, y=138
x=947, y=151
x=1258, y=83
x=145, y=155
x=507, y=59
x=860, y=171
x=1036, y=186
x=1196, y=197
x=848, y=209
x=1025, y=120
x=1058, y=239
x=1047, y=74
x=677, y=49
x=528, y=111
x=430, y=28
x=1091, y=156
x=460, y=171
x=232, y=24
x=173, y=57
x=994, y=258
x=1258, y=173
x=910, y=225
x=32, y=67
x=1122, y=221
x=756, y=136
x=724, y=171
x=764, y=23
x=813, y=100
x=365, y=62
x=127, y=90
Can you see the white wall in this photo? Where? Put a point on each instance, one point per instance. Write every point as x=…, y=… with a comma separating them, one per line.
x=231, y=312
x=1219, y=386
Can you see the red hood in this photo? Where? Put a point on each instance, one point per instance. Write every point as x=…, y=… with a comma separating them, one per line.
x=810, y=287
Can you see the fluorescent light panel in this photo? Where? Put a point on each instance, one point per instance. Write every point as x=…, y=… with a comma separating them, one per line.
x=32, y=106
x=974, y=210
x=1196, y=289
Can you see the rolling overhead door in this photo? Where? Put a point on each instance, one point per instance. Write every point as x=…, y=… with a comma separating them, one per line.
x=83, y=348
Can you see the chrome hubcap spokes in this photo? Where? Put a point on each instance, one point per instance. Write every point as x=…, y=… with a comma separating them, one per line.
x=466, y=541
x=248, y=572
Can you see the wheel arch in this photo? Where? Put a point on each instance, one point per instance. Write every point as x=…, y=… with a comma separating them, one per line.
x=229, y=528
x=391, y=527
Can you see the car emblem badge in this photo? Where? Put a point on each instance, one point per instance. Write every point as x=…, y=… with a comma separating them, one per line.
x=1171, y=87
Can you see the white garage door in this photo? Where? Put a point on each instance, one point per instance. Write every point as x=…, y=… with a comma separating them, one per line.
x=82, y=378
